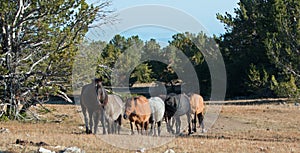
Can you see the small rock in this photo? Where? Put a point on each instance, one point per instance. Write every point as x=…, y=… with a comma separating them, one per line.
x=73, y=150
x=21, y=142
x=202, y=142
x=81, y=128
x=141, y=150
x=41, y=143
x=4, y=130
x=296, y=104
x=28, y=135
x=43, y=150
x=262, y=149
x=169, y=151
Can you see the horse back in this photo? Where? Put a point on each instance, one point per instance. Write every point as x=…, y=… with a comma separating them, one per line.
x=142, y=108
x=197, y=104
x=88, y=97
x=183, y=105
x=114, y=107
x=157, y=107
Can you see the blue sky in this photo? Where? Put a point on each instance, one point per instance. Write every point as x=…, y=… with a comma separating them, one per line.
x=203, y=11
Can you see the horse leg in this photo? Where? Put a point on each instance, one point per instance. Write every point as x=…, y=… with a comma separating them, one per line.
x=154, y=128
x=194, y=122
x=137, y=127
x=119, y=122
x=152, y=122
x=200, y=119
x=96, y=121
x=167, y=124
x=158, y=127
x=109, y=126
x=151, y=129
x=131, y=126
x=177, y=124
x=145, y=124
x=86, y=120
x=90, y=121
x=114, y=127
x=188, y=116
x=103, y=121
x=142, y=127
x=173, y=122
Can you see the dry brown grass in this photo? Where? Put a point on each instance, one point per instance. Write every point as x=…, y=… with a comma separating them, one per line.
x=256, y=128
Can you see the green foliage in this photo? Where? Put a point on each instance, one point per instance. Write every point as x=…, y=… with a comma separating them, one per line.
x=141, y=74
x=4, y=118
x=132, y=59
x=38, y=42
x=285, y=88
x=258, y=81
x=264, y=34
x=196, y=47
x=87, y=63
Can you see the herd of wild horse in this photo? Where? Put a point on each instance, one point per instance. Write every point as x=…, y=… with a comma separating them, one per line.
x=141, y=112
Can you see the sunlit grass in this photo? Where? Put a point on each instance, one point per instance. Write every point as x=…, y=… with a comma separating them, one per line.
x=257, y=128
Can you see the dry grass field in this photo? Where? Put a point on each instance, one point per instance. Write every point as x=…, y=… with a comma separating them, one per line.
x=248, y=128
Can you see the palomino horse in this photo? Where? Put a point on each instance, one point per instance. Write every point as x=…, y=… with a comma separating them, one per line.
x=92, y=100
x=197, y=109
x=138, y=111
x=176, y=106
x=157, y=113
x=113, y=113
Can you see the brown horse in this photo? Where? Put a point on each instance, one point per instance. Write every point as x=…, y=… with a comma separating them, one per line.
x=92, y=100
x=138, y=111
x=197, y=109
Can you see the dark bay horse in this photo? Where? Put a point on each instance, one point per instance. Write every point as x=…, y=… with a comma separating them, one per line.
x=177, y=105
x=92, y=100
x=197, y=110
x=138, y=111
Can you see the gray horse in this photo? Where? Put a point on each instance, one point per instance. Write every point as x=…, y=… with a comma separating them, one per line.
x=113, y=113
x=92, y=100
x=157, y=113
x=177, y=105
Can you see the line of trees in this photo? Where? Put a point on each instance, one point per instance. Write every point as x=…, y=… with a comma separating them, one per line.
x=261, y=48
x=130, y=51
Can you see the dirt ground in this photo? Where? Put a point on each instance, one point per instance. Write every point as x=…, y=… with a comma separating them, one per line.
x=248, y=128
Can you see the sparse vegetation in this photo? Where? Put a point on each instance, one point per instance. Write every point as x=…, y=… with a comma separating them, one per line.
x=250, y=128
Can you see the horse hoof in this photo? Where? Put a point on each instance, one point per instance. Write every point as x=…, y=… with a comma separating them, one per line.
x=89, y=132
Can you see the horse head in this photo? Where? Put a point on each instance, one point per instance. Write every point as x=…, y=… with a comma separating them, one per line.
x=100, y=91
x=129, y=107
x=171, y=104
